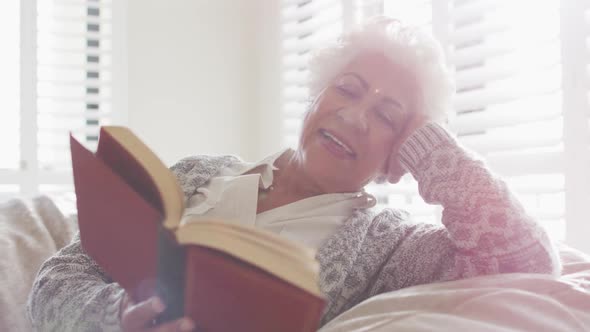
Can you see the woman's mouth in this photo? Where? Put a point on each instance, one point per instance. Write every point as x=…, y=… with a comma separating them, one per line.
x=336, y=146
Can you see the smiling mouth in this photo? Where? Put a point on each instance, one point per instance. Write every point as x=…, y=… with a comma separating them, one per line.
x=338, y=142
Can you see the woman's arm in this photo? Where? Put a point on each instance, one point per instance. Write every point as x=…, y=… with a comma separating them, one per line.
x=72, y=293
x=487, y=227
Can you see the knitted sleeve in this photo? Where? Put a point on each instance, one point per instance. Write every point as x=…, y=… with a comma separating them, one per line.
x=486, y=226
x=72, y=293
x=485, y=229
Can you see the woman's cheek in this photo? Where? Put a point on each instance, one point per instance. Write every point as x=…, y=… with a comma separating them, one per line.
x=382, y=144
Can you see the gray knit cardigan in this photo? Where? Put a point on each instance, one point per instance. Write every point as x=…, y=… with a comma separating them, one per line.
x=484, y=231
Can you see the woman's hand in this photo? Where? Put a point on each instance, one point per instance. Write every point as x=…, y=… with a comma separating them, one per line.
x=395, y=171
x=139, y=317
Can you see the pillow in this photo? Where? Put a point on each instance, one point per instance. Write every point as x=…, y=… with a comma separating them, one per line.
x=573, y=260
x=504, y=302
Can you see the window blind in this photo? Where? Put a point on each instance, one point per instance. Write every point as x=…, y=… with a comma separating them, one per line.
x=364, y=9
x=306, y=24
x=66, y=68
x=509, y=97
x=9, y=97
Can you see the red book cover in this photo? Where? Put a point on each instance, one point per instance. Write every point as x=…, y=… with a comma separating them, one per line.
x=241, y=297
x=118, y=228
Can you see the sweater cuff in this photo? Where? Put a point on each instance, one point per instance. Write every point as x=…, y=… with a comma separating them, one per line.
x=421, y=143
x=112, y=311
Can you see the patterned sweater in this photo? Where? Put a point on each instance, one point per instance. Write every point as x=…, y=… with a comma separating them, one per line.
x=485, y=231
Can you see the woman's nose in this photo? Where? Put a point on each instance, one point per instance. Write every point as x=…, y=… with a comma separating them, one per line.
x=355, y=117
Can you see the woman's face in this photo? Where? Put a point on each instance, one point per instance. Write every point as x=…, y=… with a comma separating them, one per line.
x=348, y=134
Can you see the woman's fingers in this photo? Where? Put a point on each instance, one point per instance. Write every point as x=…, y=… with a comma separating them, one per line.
x=139, y=316
x=395, y=169
x=179, y=325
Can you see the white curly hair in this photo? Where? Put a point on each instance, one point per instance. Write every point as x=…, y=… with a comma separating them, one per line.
x=406, y=46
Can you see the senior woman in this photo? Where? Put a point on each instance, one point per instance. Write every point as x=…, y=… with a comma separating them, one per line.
x=377, y=96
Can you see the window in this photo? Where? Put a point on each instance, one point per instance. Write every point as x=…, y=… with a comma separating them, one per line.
x=60, y=81
x=9, y=95
x=521, y=102
x=509, y=97
x=306, y=25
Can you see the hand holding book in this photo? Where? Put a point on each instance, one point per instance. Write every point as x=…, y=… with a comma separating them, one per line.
x=140, y=317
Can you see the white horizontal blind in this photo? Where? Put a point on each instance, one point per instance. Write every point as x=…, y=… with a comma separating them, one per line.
x=66, y=60
x=306, y=24
x=417, y=13
x=74, y=57
x=509, y=97
x=9, y=98
x=364, y=9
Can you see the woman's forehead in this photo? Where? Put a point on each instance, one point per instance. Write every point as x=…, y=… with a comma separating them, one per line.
x=377, y=72
x=376, y=67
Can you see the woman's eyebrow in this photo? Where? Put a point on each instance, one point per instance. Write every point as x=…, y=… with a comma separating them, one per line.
x=358, y=77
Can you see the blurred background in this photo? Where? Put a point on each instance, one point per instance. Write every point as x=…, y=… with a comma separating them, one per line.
x=228, y=77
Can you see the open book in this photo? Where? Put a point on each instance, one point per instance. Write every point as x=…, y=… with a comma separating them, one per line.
x=226, y=277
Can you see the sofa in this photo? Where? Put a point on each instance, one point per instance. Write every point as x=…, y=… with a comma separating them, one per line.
x=31, y=230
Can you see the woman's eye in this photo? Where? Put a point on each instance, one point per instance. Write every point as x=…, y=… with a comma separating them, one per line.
x=348, y=91
x=386, y=117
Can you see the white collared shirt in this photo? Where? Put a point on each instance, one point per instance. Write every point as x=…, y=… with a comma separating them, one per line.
x=232, y=196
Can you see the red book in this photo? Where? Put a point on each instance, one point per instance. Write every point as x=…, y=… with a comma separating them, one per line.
x=224, y=276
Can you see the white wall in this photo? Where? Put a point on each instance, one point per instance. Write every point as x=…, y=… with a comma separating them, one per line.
x=269, y=77
x=192, y=79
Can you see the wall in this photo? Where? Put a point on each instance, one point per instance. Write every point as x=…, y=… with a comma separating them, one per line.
x=192, y=76
x=268, y=96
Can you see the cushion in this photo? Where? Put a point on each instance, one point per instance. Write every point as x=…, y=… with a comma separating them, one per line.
x=507, y=302
x=30, y=231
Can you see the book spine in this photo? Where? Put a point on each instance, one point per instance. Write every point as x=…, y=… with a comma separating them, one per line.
x=170, y=282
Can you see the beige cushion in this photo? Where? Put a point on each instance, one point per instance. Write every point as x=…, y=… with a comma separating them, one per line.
x=30, y=232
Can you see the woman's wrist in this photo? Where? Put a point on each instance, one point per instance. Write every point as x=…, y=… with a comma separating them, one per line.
x=420, y=143
x=112, y=311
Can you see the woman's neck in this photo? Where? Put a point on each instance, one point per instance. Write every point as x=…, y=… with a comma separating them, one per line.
x=292, y=178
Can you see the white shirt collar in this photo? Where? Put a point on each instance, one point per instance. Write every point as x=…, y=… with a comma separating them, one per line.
x=361, y=198
x=266, y=173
